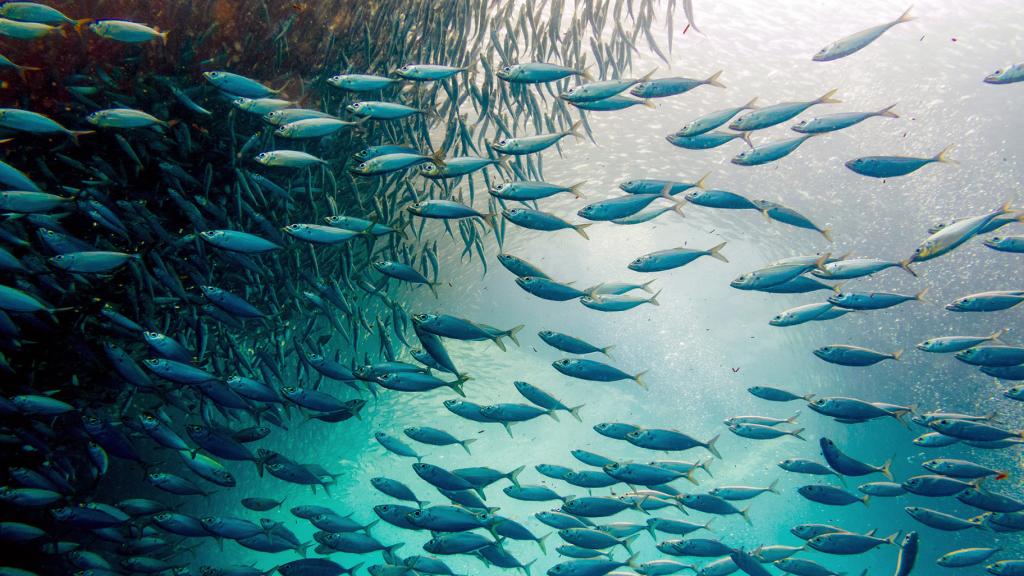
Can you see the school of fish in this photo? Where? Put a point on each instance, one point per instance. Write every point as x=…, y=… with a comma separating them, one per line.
x=191, y=262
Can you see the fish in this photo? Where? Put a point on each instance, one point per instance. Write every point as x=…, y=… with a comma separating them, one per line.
x=767, y=116
x=840, y=121
x=855, y=42
x=894, y=166
x=674, y=258
x=770, y=152
x=666, y=87
x=1008, y=75
x=846, y=355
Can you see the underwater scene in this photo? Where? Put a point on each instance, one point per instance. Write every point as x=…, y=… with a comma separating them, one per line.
x=470, y=287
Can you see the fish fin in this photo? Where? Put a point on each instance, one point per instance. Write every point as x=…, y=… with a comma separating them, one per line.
x=886, y=469
x=581, y=230
x=512, y=333
x=501, y=345
x=576, y=412
x=689, y=476
x=648, y=103
x=639, y=379
x=997, y=334
x=678, y=207
x=820, y=262
x=508, y=428
x=646, y=287
x=713, y=80
x=808, y=397
x=887, y=112
x=301, y=550
x=905, y=17
x=827, y=233
x=552, y=414
x=366, y=529
x=585, y=73
x=627, y=542
x=465, y=445
x=525, y=567
x=796, y=434
x=574, y=130
x=752, y=105
x=865, y=499
x=706, y=466
x=457, y=384
x=746, y=515
x=1002, y=475
x=716, y=253
x=920, y=295
x=438, y=157
x=702, y=180
x=943, y=156
x=774, y=487
x=891, y=539
x=651, y=530
x=897, y=354
x=792, y=419
x=746, y=138
x=351, y=570
x=607, y=350
x=513, y=476
x=632, y=561
x=654, y=299
x=575, y=189
x=540, y=543
x=710, y=446
x=647, y=77
x=905, y=264
x=827, y=98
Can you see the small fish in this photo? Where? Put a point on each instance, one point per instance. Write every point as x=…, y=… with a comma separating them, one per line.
x=674, y=258
x=127, y=32
x=854, y=42
x=767, y=116
x=538, y=73
x=1007, y=75
x=833, y=122
x=893, y=166
x=846, y=355
x=665, y=87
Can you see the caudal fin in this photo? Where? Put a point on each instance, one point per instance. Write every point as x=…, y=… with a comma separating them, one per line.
x=885, y=470
x=639, y=379
x=920, y=295
x=575, y=189
x=943, y=156
x=905, y=17
x=713, y=80
x=752, y=105
x=700, y=183
x=580, y=229
x=827, y=98
x=796, y=434
x=465, y=445
x=710, y=446
x=897, y=354
x=512, y=333
x=575, y=411
x=887, y=112
x=746, y=138
x=513, y=476
x=905, y=264
x=773, y=487
x=716, y=253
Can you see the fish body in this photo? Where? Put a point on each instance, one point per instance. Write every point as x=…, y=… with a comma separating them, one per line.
x=536, y=73
x=665, y=87
x=845, y=355
x=769, y=152
x=833, y=122
x=768, y=116
x=427, y=72
x=706, y=140
x=361, y=82
x=855, y=42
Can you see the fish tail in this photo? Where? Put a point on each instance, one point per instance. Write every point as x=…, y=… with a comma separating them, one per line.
x=796, y=434
x=774, y=486
x=650, y=529
x=710, y=446
x=540, y=543
x=163, y=39
x=897, y=354
x=646, y=287
x=79, y=24
x=920, y=295
x=746, y=138
x=886, y=469
x=627, y=542
x=827, y=233
x=465, y=445
x=827, y=98
x=575, y=189
x=647, y=77
x=351, y=570
x=22, y=69
x=943, y=156
x=678, y=207
x=512, y=333
x=887, y=112
x=706, y=466
x=574, y=130
x=866, y=499
x=1002, y=475
x=752, y=105
x=648, y=103
x=639, y=379
x=581, y=230
x=576, y=412
x=301, y=550
x=700, y=183
x=654, y=299
x=438, y=157
x=997, y=334
x=716, y=253
x=553, y=416
x=526, y=567
x=513, y=476
x=905, y=17
x=792, y=419
x=689, y=476
x=585, y=73
x=746, y=516
x=713, y=80
x=366, y=529
x=905, y=264
x=632, y=561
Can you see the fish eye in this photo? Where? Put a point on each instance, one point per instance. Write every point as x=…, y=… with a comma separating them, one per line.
x=1000, y=71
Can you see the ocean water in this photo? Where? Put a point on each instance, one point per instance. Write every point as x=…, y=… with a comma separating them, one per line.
x=705, y=343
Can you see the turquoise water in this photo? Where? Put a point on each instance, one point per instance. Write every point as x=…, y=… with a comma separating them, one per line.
x=706, y=343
